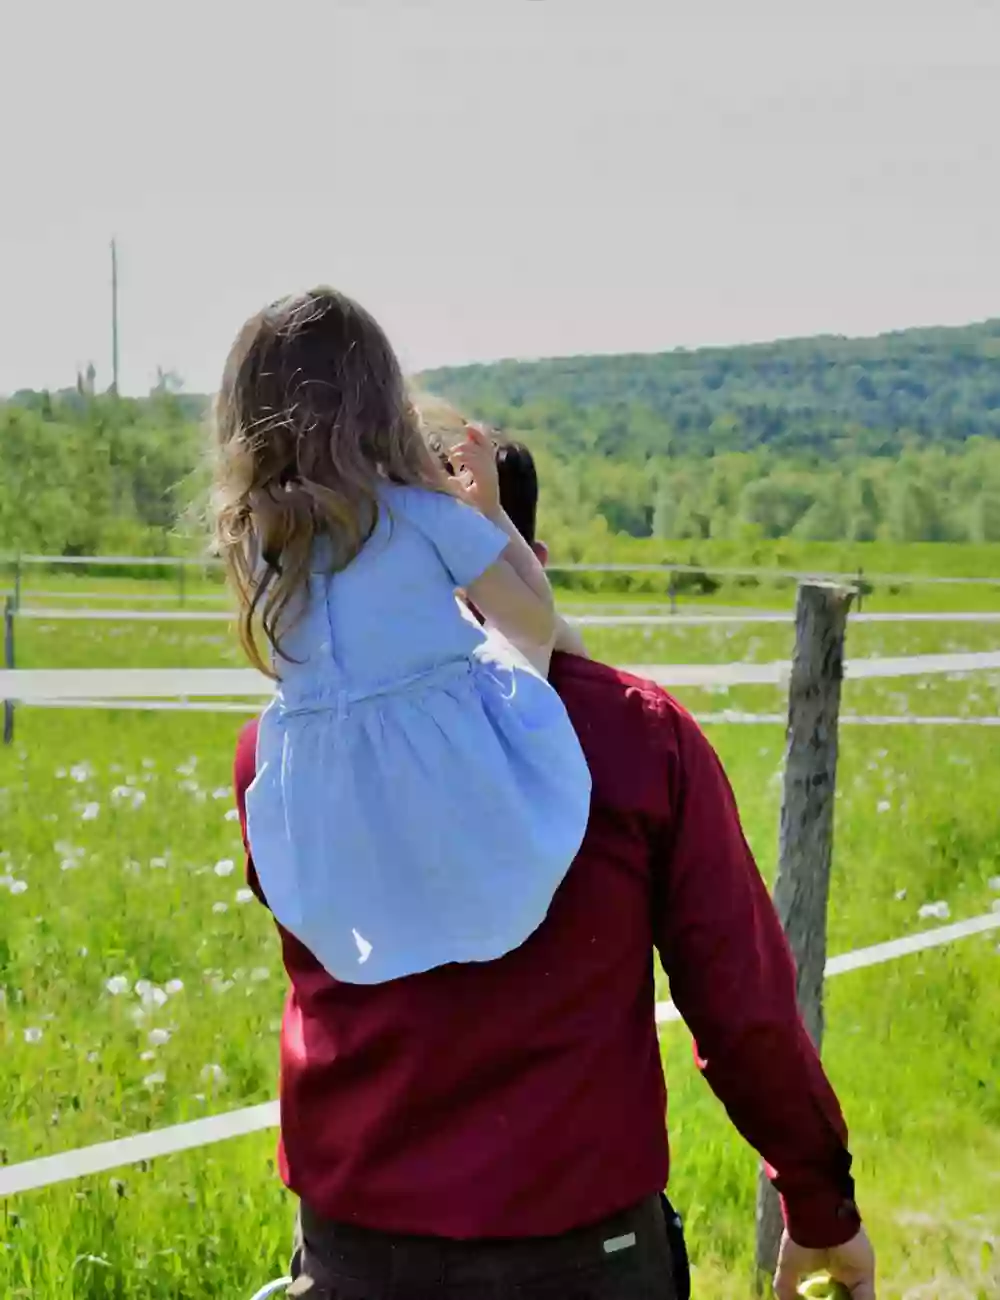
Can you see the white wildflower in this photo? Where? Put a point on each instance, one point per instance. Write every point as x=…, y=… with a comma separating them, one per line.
x=232, y=815
x=18, y=886
x=158, y=1037
x=81, y=772
x=221, y=793
x=225, y=868
x=158, y=864
x=883, y=806
x=32, y=1035
x=934, y=911
x=244, y=895
x=219, y=908
x=213, y=1073
x=154, y=1080
x=173, y=987
x=900, y=895
x=117, y=985
x=994, y=884
x=90, y=812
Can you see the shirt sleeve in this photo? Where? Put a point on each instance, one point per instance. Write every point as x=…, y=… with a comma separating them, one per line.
x=466, y=541
x=732, y=978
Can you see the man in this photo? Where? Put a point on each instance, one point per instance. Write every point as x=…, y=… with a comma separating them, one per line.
x=499, y=1129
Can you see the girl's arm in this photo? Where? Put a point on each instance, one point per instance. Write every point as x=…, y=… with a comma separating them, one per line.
x=513, y=593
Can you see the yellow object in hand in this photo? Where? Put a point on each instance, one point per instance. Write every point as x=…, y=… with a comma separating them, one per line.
x=823, y=1287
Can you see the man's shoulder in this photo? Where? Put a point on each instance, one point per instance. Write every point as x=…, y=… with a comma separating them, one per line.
x=245, y=761
x=577, y=677
x=615, y=698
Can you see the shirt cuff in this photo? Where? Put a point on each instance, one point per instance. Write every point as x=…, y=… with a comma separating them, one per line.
x=820, y=1220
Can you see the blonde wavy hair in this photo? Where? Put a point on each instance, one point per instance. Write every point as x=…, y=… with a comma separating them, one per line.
x=312, y=416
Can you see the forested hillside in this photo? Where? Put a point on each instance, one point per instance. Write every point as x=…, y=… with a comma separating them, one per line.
x=823, y=440
x=824, y=396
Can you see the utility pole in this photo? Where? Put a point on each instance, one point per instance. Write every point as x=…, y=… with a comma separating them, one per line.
x=114, y=317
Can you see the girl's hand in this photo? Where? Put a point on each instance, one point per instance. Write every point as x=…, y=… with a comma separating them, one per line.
x=476, y=479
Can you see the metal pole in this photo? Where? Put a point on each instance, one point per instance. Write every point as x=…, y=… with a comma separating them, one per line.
x=8, y=659
x=114, y=317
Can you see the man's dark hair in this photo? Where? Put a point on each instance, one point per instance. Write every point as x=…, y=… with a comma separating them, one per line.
x=518, y=486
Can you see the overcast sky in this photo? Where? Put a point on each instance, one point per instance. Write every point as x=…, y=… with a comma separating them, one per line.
x=492, y=177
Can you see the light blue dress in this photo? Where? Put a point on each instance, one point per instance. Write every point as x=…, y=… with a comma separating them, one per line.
x=420, y=791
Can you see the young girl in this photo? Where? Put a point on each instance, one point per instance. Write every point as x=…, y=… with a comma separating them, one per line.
x=420, y=791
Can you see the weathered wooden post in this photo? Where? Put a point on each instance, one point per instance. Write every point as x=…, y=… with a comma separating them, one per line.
x=802, y=889
x=8, y=661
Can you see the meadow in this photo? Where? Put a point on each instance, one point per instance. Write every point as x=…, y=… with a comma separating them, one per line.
x=141, y=986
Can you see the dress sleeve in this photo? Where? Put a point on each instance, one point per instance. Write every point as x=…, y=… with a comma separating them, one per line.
x=466, y=541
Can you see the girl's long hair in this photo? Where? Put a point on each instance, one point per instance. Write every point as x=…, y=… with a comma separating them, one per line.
x=313, y=414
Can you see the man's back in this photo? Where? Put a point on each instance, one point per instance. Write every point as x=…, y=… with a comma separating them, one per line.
x=525, y=1097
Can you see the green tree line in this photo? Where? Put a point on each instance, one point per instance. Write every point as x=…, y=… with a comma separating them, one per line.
x=892, y=440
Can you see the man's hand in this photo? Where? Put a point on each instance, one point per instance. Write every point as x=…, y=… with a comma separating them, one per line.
x=853, y=1265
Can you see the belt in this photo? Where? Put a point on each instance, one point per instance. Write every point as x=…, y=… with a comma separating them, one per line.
x=341, y=701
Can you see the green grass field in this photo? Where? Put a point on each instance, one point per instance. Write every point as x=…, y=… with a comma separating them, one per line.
x=139, y=986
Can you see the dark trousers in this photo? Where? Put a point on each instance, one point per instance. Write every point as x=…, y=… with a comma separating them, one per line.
x=636, y=1255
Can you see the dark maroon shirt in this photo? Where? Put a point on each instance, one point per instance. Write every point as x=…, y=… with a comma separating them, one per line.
x=525, y=1096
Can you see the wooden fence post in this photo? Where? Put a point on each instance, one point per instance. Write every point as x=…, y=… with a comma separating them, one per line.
x=8, y=661
x=802, y=889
